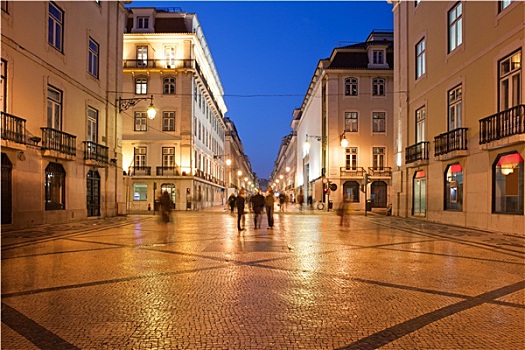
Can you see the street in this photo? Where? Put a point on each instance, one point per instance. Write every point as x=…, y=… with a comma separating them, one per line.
x=310, y=283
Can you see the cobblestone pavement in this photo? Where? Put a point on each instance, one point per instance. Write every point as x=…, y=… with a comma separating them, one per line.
x=310, y=283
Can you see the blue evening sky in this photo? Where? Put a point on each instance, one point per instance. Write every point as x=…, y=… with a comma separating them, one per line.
x=266, y=53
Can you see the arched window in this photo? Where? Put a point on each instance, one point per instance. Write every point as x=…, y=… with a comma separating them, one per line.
x=351, y=87
x=55, y=187
x=378, y=87
x=507, y=184
x=454, y=187
x=168, y=84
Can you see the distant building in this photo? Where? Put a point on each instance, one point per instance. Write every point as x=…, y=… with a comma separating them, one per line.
x=60, y=76
x=167, y=62
x=350, y=97
x=459, y=124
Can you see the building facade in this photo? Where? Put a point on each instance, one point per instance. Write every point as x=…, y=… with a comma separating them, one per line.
x=459, y=115
x=344, y=127
x=61, y=147
x=167, y=63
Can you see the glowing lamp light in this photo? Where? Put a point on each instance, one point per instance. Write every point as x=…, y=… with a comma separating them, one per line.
x=152, y=112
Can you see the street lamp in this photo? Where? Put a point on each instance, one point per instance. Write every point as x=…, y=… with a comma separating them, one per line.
x=221, y=156
x=125, y=103
x=344, y=141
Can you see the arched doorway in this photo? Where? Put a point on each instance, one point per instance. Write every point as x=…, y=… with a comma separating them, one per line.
x=170, y=188
x=7, y=205
x=93, y=193
x=378, y=194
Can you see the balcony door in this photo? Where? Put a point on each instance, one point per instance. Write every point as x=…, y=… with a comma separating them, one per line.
x=54, y=108
x=510, y=81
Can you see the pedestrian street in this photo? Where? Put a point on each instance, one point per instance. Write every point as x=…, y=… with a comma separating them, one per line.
x=378, y=282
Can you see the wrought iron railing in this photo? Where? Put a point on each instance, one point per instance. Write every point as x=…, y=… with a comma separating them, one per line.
x=159, y=63
x=355, y=171
x=416, y=152
x=454, y=140
x=94, y=151
x=380, y=171
x=13, y=128
x=168, y=171
x=139, y=170
x=59, y=141
x=502, y=124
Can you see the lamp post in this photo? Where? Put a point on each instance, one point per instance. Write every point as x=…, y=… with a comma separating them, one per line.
x=125, y=103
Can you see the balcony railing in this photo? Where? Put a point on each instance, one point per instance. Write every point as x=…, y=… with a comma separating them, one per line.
x=159, y=64
x=94, y=151
x=13, y=128
x=503, y=124
x=353, y=172
x=168, y=171
x=455, y=140
x=380, y=171
x=59, y=141
x=416, y=152
x=139, y=170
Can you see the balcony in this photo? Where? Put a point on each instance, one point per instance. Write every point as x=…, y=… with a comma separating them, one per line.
x=158, y=64
x=503, y=128
x=168, y=171
x=140, y=170
x=451, y=144
x=13, y=130
x=95, y=154
x=58, y=144
x=352, y=172
x=384, y=172
x=417, y=153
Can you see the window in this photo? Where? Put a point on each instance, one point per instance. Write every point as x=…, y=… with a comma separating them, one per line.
x=168, y=121
x=140, y=192
x=141, y=121
x=420, y=125
x=55, y=26
x=416, y=2
x=169, y=56
x=455, y=27
x=351, y=158
x=419, y=205
x=142, y=22
x=351, y=122
x=454, y=187
x=509, y=81
x=378, y=122
x=5, y=6
x=351, y=87
x=168, y=86
x=55, y=187
x=93, y=58
x=378, y=87
x=140, y=157
x=454, y=108
x=142, y=56
x=3, y=84
x=420, y=58
x=141, y=86
x=507, y=184
x=503, y=4
x=168, y=156
x=378, y=56
x=54, y=108
x=378, y=161
x=351, y=191
x=92, y=125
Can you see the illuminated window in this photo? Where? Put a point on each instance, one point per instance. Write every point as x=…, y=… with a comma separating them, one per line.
x=351, y=122
x=378, y=122
x=510, y=81
x=140, y=192
x=55, y=187
x=454, y=187
x=507, y=184
x=421, y=59
x=455, y=27
x=141, y=86
x=351, y=158
x=141, y=121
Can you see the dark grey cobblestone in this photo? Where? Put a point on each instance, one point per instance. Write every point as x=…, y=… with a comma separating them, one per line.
x=381, y=282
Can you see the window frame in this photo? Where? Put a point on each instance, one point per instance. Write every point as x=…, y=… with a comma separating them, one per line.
x=55, y=30
x=504, y=4
x=93, y=57
x=55, y=187
x=421, y=69
x=143, y=22
x=378, y=122
x=351, y=86
x=351, y=120
x=168, y=157
x=512, y=97
x=420, y=119
x=453, y=195
x=92, y=125
x=498, y=176
x=140, y=121
x=169, y=85
x=142, y=193
x=168, y=120
x=351, y=158
x=140, y=156
x=54, y=108
x=378, y=157
x=378, y=86
x=455, y=27
x=455, y=106
x=141, y=85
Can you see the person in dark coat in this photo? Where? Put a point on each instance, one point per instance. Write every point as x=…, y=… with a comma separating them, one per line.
x=165, y=206
x=257, y=202
x=269, y=201
x=231, y=202
x=239, y=203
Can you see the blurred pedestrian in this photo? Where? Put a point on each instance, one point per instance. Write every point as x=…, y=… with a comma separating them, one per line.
x=165, y=206
x=344, y=212
x=239, y=203
x=231, y=202
x=258, y=203
x=282, y=200
x=269, y=202
x=300, y=200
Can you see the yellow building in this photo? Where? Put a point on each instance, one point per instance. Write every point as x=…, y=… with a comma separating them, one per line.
x=167, y=63
x=459, y=116
x=60, y=71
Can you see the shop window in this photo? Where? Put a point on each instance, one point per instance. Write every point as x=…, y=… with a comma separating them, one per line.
x=55, y=187
x=507, y=184
x=140, y=192
x=454, y=187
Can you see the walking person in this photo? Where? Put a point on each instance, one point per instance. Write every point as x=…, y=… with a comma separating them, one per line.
x=239, y=203
x=231, y=202
x=165, y=206
x=282, y=199
x=269, y=202
x=258, y=203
